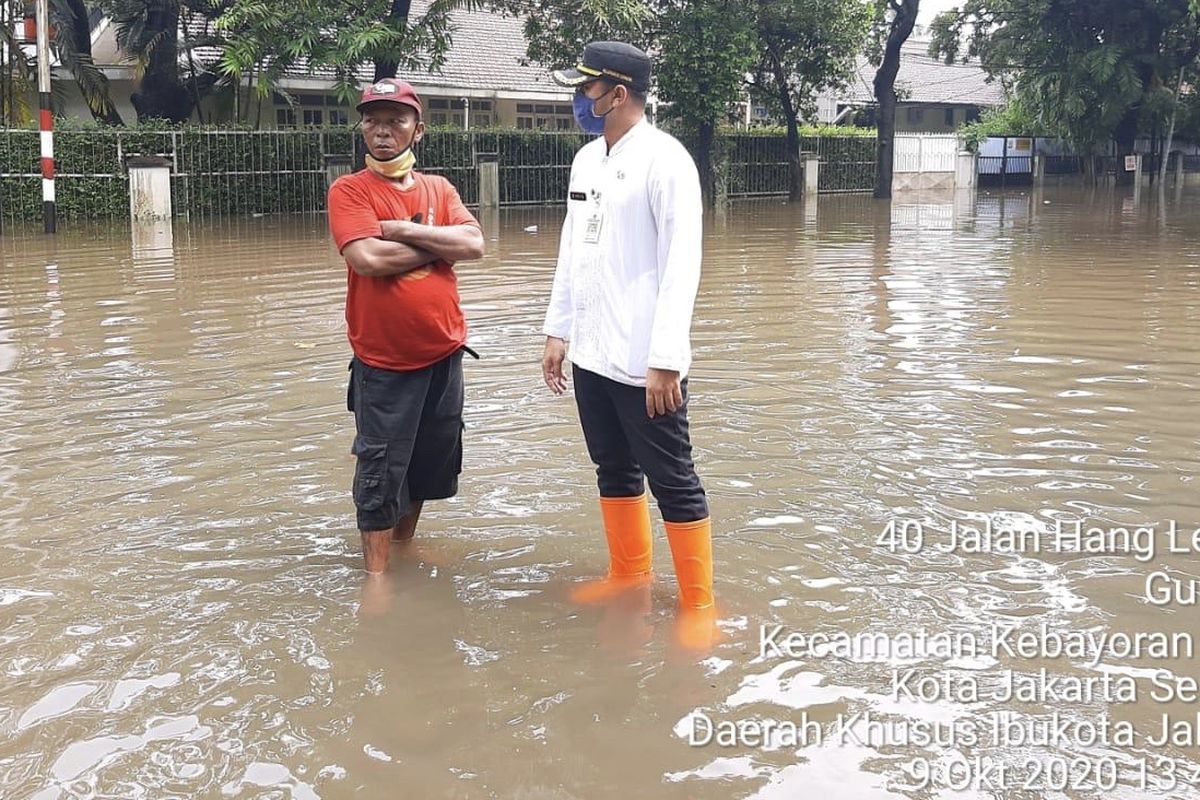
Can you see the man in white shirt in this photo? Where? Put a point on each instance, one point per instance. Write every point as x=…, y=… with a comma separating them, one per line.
x=626, y=282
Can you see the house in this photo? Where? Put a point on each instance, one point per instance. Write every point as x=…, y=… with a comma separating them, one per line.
x=483, y=83
x=934, y=97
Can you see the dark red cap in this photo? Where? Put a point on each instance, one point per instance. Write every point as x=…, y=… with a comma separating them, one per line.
x=390, y=90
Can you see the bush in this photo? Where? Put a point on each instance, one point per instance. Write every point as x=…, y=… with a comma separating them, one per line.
x=232, y=170
x=1009, y=120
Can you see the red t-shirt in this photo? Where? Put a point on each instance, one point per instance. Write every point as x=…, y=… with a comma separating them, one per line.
x=400, y=322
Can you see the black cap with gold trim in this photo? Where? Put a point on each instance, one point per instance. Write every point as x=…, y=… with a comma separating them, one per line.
x=615, y=61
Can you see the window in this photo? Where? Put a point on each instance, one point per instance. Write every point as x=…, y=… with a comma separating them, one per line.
x=562, y=124
x=972, y=114
x=916, y=116
x=439, y=102
x=564, y=110
x=525, y=123
x=949, y=117
x=482, y=105
x=481, y=120
x=524, y=108
x=313, y=110
x=438, y=118
x=540, y=109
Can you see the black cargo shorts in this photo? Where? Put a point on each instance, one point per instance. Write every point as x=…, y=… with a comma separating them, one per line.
x=408, y=437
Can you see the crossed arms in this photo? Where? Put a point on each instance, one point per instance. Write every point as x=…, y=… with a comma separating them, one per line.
x=405, y=245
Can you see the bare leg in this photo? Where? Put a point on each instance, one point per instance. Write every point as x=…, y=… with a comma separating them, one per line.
x=406, y=526
x=375, y=551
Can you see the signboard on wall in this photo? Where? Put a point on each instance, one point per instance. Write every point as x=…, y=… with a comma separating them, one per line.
x=1131, y=163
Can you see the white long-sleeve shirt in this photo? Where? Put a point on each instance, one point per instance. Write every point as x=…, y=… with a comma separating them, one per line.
x=629, y=258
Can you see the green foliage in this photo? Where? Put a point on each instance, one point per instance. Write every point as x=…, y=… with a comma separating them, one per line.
x=17, y=72
x=758, y=160
x=804, y=47
x=262, y=41
x=708, y=47
x=557, y=30
x=1013, y=119
x=259, y=41
x=704, y=50
x=1090, y=72
x=239, y=170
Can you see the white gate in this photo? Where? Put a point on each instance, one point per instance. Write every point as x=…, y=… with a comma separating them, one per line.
x=925, y=152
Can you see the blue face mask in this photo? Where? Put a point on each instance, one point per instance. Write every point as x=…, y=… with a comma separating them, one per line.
x=585, y=116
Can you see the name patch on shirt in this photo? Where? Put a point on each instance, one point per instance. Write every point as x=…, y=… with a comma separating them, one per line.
x=578, y=196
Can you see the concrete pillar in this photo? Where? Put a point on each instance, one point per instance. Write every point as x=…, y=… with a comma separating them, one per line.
x=153, y=247
x=812, y=173
x=149, y=187
x=966, y=171
x=1039, y=170
x=489, y=184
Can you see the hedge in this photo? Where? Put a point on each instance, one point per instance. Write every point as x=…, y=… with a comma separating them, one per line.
x=235, y=171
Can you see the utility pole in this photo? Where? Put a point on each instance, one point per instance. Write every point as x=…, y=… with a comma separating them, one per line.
x=46, y=117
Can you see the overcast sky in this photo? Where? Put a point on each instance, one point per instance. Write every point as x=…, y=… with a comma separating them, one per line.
x=931, y=8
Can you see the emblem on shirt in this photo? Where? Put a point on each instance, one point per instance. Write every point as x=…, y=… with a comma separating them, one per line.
x=620, y=174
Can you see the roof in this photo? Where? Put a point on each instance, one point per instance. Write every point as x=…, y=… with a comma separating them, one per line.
x=487, y=51
x=925, y=79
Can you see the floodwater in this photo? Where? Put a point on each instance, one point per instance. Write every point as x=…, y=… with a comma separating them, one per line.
x=182, y=613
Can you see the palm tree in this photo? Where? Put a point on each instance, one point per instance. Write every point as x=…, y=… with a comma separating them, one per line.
x=17, y=73
x=73, y=22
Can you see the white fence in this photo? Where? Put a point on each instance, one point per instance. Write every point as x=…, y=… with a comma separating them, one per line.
x=925, y=152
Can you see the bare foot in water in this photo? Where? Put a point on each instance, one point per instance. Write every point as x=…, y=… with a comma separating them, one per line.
x=376, y=596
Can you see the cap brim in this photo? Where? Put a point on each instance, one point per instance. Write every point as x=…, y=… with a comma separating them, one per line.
x=359, y=108
x=571, y=77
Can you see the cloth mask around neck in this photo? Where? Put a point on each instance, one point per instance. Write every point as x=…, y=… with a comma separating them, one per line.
x=397, y=167
x=583, y=106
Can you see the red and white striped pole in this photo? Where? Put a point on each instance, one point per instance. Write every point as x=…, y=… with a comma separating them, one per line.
x=46, y=117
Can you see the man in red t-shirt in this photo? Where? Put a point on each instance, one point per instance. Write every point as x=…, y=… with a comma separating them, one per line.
x=401, y=233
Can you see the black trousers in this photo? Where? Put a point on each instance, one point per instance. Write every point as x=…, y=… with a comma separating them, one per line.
x=409, y=437
x=629, y=447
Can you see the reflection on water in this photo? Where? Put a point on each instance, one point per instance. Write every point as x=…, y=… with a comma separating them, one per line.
x=181, y=606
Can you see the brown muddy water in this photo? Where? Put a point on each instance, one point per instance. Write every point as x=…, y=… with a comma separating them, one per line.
x=181, y=608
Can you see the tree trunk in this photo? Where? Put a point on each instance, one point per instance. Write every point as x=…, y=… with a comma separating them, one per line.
x=1162, y=165
x=385, y=67
x=795, y=166
x=796, y=183
x=885, y=157
x=885, y=92
x=1125, y=135
x=161, y=94
x=81, y=39
x=705, y=143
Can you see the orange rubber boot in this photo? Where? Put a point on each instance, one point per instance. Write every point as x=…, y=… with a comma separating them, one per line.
x=691, y=550
x=627, y=528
